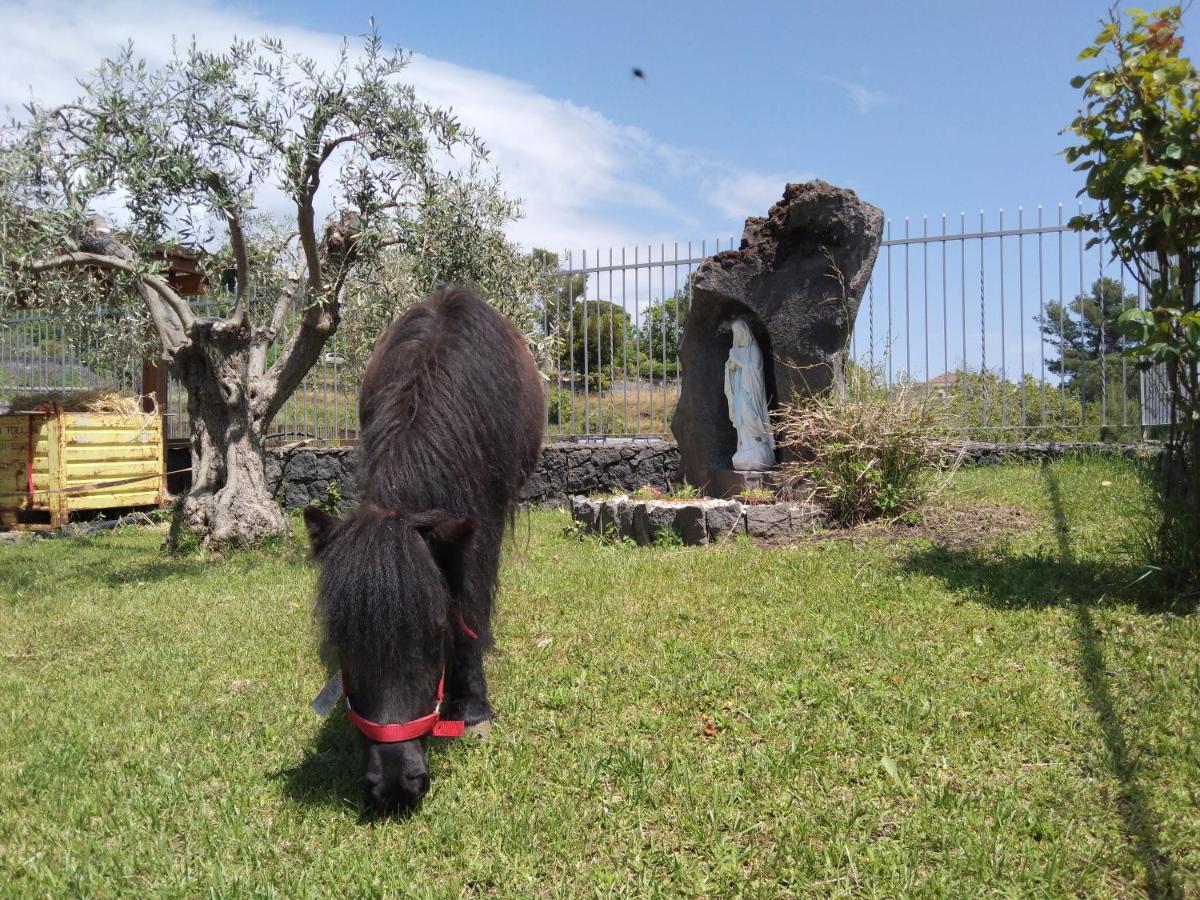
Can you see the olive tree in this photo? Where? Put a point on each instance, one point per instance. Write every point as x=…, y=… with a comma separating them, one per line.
x=1137, y=143
x=326, y=192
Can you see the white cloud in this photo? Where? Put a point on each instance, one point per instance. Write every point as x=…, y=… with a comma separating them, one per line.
x=585, y=180
x=863, y=97
x=740, y=193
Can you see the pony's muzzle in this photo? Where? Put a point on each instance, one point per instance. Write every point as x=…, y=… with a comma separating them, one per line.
x=396, y=779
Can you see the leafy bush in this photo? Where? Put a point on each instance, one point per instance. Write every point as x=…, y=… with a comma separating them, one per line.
x=1163, y=530
x=866, y=456
x=558, y=407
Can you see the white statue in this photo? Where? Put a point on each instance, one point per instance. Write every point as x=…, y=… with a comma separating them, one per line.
x=747, y=396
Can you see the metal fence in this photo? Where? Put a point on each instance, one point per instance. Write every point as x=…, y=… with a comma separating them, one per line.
x=1009, y=323
x=38, y=356
x=1004, y=319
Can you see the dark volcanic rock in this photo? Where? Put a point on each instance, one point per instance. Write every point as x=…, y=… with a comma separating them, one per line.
x=689, y=521
x=724, y=521
x=787, y=280
x=772, y=521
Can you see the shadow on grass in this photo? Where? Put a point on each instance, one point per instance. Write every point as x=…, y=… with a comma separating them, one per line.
x=1010, y=582
x=329, y=773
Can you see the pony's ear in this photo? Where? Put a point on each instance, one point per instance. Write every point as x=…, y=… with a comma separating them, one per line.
x=452, y=532
x=448, y=538
x=319, y=525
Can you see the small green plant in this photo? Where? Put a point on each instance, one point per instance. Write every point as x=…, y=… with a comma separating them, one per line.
x=558, y=407
x=332, y=501
x=868, y=456
x=684, y=492
x=668, y=538
x=647, y=492
x=757, y=495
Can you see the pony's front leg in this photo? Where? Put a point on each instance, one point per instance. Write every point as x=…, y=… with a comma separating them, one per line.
x=466, y=685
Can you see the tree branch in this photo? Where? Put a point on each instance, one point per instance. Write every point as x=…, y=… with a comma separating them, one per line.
x=334, y=143
x=265, y=336
x=308, y=239
x=237, y=239
x=303, y=349
x=75, y=260
x=171, y=334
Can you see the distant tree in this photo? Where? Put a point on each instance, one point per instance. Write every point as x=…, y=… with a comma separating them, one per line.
x=595, y=337
x=1086, y=331
x=559, y=292
x=662, y=327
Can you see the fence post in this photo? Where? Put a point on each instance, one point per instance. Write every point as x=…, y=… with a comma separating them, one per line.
x=153, y=391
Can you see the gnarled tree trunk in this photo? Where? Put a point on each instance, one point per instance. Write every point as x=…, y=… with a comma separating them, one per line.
x=229, y=502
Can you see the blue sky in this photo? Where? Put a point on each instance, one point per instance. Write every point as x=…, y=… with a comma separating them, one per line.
x=923, y=107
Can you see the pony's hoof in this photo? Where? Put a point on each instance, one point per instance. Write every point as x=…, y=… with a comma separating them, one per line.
x=479, y=731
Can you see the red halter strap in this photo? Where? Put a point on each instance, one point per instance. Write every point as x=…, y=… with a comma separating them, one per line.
x=395, y=733
x=392, y=733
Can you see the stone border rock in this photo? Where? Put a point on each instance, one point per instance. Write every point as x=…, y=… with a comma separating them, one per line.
x=692, y=522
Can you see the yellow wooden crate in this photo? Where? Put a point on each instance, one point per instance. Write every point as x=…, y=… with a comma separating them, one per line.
x=70, y=460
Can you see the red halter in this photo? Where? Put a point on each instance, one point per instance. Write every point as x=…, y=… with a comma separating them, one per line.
x=408, y=731
x=394, y=733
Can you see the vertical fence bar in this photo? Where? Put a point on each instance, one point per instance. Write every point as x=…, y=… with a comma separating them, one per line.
x=1041, y=321
x=637, y=334
x=625, y=343
x=675, y=333
x=925, y=290
x=1003, y=345
x=649, y=313
x=1062, y=302
x=562, y=285
x=888, y=351
x=587, y=352
x=1124, y=369
x=663, y=295
x=1102, y=331
x=983, y=391
x=945, y=322
x=1021, y=307
x=1079, y=368
x=908, y=374
x=965, y=389
x=612, y=345
x=571, y=363
x=871, y=327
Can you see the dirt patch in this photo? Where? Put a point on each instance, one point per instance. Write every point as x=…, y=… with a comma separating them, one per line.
x=955, y=527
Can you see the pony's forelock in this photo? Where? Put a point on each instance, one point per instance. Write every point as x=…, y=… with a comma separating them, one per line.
x=381, y=594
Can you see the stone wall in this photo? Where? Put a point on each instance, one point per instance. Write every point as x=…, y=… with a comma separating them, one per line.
x=299, y=476
x=981, y=454
x=569, y=469
x=302, y=475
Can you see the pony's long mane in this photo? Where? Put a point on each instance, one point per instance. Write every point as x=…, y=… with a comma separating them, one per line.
x=451, y=416
x=438, y=408
x=368, y=603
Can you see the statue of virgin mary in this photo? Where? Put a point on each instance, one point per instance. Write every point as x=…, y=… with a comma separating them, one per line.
x=747, y=396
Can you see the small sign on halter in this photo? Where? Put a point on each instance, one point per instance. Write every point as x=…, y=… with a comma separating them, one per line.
x=325, y=701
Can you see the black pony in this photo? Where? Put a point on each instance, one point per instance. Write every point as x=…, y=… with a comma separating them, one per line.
x=451, y=415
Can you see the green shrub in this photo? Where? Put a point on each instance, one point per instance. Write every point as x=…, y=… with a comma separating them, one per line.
x=868, y=456
x=558, y=407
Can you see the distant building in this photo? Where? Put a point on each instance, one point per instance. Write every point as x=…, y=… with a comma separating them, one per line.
x=941, y=386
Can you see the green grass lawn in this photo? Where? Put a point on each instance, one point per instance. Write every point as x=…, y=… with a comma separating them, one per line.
x=874, y=717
